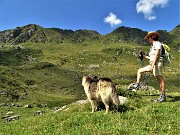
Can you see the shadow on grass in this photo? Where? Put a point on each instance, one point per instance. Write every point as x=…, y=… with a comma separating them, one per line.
x=174, y=98
x=124, y=108
x=121, y=108
x=18, y=56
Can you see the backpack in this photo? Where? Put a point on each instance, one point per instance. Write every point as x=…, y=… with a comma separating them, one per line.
x=165, y=53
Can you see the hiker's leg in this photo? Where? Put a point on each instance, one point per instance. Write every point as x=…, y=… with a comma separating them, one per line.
x=139, y=74
x=140, y=71
x=161, y=83
x=162, y=97
x=157, y=71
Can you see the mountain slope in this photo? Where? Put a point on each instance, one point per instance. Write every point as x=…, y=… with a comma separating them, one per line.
x=127, y=34
x=175, y=33
x=37, y=34
x=48, y=76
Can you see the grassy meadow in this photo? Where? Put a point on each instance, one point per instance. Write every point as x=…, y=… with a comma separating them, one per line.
x=48, y=75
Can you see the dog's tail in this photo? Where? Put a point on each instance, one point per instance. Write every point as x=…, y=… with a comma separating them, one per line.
x=114, y=97
x=108, y=83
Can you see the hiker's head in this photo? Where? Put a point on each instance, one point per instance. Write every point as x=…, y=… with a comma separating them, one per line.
x=153, y=35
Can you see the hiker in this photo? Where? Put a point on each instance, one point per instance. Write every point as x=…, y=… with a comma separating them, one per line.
x=156, y=64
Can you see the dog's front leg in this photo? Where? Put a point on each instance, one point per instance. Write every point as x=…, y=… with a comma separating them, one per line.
x=116, y=102
x=106, y=103
x=107, y=108
x=93, y=106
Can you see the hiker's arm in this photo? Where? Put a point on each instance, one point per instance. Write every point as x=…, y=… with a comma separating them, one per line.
x=155, y=58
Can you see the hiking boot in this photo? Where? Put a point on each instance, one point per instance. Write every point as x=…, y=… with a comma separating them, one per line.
x=130, y=87
x=162, y=98
x=136, y=86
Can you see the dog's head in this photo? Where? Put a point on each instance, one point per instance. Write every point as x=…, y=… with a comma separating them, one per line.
x=86, y=79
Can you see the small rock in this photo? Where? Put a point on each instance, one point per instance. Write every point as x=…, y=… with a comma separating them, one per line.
x=122, y=100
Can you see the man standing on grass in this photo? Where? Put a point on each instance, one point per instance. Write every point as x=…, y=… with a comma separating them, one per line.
x=156, y=64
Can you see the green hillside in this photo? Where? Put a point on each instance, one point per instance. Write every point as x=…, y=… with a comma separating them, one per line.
x=176, y=37
x=41, y=75
x=36, y=34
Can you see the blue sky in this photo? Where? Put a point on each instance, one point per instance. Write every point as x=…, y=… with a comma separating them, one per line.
x=104, y=16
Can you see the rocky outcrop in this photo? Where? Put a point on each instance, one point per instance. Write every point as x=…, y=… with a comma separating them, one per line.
x=19, y=34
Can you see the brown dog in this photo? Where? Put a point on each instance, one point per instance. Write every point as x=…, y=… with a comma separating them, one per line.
x=101, y=89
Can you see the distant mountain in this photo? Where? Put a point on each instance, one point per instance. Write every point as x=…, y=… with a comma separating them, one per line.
x=127, y=34
x=175, y=33
x=165, y=37
x=23, y=34
x=36, y=33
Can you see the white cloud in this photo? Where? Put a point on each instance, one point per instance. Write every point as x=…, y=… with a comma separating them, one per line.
x=151, y=18
x=112, y=19
x=147, y=7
